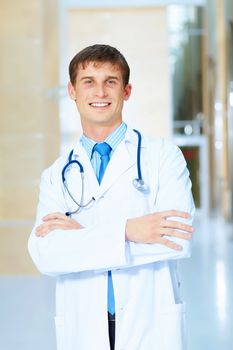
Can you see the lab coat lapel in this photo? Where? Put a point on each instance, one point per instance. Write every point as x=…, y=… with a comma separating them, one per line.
x=120, y=162
x=90, y=179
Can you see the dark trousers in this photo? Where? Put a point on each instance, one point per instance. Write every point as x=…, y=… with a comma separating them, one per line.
x=111, y=331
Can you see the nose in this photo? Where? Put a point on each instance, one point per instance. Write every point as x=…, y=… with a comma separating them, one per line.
x=101, y=90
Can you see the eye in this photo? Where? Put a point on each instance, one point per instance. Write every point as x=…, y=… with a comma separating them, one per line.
x=111, y=81
x=87, y=81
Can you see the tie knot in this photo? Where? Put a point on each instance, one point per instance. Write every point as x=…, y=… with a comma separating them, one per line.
x=102, y=148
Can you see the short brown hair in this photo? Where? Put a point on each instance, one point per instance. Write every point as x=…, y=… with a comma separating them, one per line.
x=99, y=53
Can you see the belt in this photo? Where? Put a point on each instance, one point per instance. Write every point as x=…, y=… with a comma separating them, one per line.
x=111, y=317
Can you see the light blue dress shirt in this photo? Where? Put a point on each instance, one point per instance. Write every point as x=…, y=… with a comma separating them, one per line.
x=114, y=139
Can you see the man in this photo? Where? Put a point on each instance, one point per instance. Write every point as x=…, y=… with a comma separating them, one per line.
x=113, y=246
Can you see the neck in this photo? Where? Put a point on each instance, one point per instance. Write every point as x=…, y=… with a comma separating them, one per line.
x=99, y=133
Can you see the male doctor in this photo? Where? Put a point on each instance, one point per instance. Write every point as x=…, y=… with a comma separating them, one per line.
x=113, y=246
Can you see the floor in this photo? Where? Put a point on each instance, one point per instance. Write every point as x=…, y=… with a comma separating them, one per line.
x=27, y=303
x=208, y=286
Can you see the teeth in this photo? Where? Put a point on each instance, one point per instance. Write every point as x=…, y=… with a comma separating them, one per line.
x=99, y=104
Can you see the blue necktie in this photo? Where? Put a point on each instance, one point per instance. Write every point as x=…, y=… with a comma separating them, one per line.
x=104, y=150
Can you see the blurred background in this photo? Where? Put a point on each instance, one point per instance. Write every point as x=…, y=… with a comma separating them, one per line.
x=181, y=59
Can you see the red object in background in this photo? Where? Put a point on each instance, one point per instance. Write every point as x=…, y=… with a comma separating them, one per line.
x=189, y=154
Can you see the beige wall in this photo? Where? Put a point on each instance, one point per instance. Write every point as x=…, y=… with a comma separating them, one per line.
x=29, y=131
x=141, y=35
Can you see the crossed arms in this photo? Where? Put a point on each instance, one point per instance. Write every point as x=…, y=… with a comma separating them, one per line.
x=60, y=244
x=151, y=228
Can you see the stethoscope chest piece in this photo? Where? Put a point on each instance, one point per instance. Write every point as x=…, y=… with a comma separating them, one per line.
x=141, y=186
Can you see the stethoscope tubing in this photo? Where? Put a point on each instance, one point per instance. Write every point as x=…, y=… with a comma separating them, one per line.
x=138, y=182
x=70, y=161
x=139, y=154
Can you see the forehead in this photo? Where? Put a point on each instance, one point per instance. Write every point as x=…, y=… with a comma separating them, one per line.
x=97, y=68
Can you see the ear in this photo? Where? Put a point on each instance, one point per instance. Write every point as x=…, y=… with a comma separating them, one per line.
x=127, y=91
x=71, y=91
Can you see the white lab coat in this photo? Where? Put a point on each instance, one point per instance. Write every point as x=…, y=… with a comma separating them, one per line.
x=149, y=312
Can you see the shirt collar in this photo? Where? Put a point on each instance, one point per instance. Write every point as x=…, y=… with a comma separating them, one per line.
x=113, y=139
x=87, y=144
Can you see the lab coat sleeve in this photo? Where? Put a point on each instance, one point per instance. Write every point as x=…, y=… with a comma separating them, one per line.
x=77, y=250
x=173, y=192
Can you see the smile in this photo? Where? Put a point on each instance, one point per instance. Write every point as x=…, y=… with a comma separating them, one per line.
x=99, y=104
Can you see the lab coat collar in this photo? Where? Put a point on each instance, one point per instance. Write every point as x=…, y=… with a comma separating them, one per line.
x=131, y=137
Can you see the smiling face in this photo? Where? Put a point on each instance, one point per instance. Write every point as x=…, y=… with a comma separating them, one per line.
x=99, y=93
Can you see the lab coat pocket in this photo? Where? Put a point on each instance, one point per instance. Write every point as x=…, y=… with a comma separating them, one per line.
x=60, y=337
x=172, y=322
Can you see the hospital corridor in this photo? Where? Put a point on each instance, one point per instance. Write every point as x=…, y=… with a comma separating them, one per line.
x=27, y=303
x=180, y=54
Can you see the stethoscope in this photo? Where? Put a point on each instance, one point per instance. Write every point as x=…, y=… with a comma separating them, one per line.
x=138, y=182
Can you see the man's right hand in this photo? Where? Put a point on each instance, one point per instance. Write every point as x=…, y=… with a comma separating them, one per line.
x=153, y=227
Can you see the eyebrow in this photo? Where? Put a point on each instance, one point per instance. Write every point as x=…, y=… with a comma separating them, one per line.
x=108, y=77
x=112, y=77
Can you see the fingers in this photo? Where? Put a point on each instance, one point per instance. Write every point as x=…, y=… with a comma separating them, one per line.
x=49, y=226
x=56, y=221
x=174, y=213
x=170, y=244
x=177, y=225
x=163, y=228
x=52, y=222
x=54, y=216
x=42, y=231
x=177, y=234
